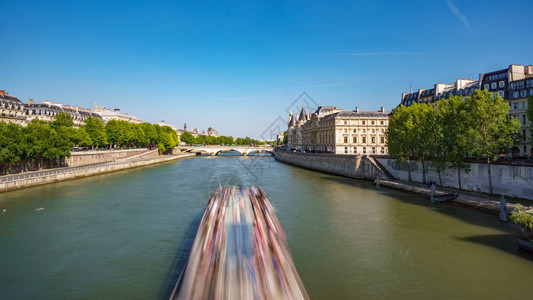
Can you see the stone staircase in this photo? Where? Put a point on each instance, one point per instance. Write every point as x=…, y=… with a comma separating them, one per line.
x=138, y=156
x=384, y=173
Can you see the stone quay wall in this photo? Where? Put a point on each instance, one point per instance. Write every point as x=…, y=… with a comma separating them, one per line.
x=96, y=157
x=56, y=175
x=508, y=180
x=355, y=166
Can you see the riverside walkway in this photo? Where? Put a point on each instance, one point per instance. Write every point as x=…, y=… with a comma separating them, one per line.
x=240, y=252
x=27, y=179
x=466, y=198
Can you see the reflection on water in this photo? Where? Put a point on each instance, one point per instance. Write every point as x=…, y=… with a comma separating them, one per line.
x=122, y=235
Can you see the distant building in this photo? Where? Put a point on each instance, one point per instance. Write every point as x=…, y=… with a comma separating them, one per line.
x=11, y=109
x=514, y=84
x=115, y=114
x=210, y=132
x=163, y=123
x=334, y=130
x=47, y=110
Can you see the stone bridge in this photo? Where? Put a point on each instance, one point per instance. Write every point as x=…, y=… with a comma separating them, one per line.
x=215, y=150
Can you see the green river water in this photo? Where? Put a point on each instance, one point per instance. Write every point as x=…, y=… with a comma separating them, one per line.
x=126, y=235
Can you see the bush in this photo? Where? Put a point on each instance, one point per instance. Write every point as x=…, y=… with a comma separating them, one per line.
x=524, y=220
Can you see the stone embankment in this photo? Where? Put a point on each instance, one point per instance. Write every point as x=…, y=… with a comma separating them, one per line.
x=12, y=182
x=355, y=166
x=83, y=158
x=468, y=199
x=507, y=180
x=363, y=167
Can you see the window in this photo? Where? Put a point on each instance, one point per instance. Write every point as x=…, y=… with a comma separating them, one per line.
x=502, y=84
x=374, y=150
x=345, y=130
x=354, y=149
x=523, y=93
x=364, y=150
x=346, y=140
x=363, y=122
x=373, y=130
x=364, y=130
x=382, y=139
x=345, y=149
x=354, y=131
x=515, y=105
x=523, y=104
x=524, y=135
x=373, y=140
x=355, y=140
x=364, y=140
x=493, y=85
x=524, y=121
x=500, y=93
x=381, y=122
x=372, y=122
x=515, y=94
x=486, y=86
x=345, y=122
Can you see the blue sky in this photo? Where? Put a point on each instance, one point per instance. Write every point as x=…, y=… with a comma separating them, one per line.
x=237, y=65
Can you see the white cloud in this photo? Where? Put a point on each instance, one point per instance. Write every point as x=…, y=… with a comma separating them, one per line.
x=457, y=13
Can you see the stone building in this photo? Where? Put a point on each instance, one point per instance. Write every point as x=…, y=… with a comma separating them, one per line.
x=115, y=114
x=11, y=109
x=338, y=131
x=47, y=110
x=514, y=84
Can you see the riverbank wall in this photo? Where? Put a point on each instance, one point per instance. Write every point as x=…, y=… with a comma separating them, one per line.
x=355, y=166
x=96, y=157
x=508, y=180
x=56, y=175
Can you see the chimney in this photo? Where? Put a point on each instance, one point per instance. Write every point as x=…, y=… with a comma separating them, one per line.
x=117, y=109
x=3, y=93
x=357, y=109
x=30, y=101
x=382, y=109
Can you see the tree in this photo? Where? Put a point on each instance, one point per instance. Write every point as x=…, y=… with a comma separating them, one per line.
x=455, y=141
x=96, y=130
x=10, y=145
x=529, y=114
x=82, y=138
x=62, y=119
x=187, y=138
x=490, y=129
x=400, y=139
x=150, y=134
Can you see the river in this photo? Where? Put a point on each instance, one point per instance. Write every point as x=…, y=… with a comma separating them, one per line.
x=126, y=235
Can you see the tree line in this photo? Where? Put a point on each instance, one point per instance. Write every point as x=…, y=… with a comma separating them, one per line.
x=189, y=139
x=45, y=144
x=444, y=133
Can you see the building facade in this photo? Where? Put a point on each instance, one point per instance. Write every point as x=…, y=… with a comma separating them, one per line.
x=116, y=114
x=11, y=109
x=514, y=84
x=47, y=110
x=332, y=130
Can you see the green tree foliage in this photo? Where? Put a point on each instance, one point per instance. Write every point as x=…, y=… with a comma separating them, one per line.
x=62, y=119
x=96, y=130
x=529, y=114
x=447, y=131
x=524, y=220
x=400, y=138
x=490, y=130
x=455, y=142
x=187, y=138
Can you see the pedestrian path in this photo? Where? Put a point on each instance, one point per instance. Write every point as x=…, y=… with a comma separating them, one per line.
x=466, y=198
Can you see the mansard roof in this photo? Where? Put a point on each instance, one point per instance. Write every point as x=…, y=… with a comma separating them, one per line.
x=6, y=96
x=364, y=114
